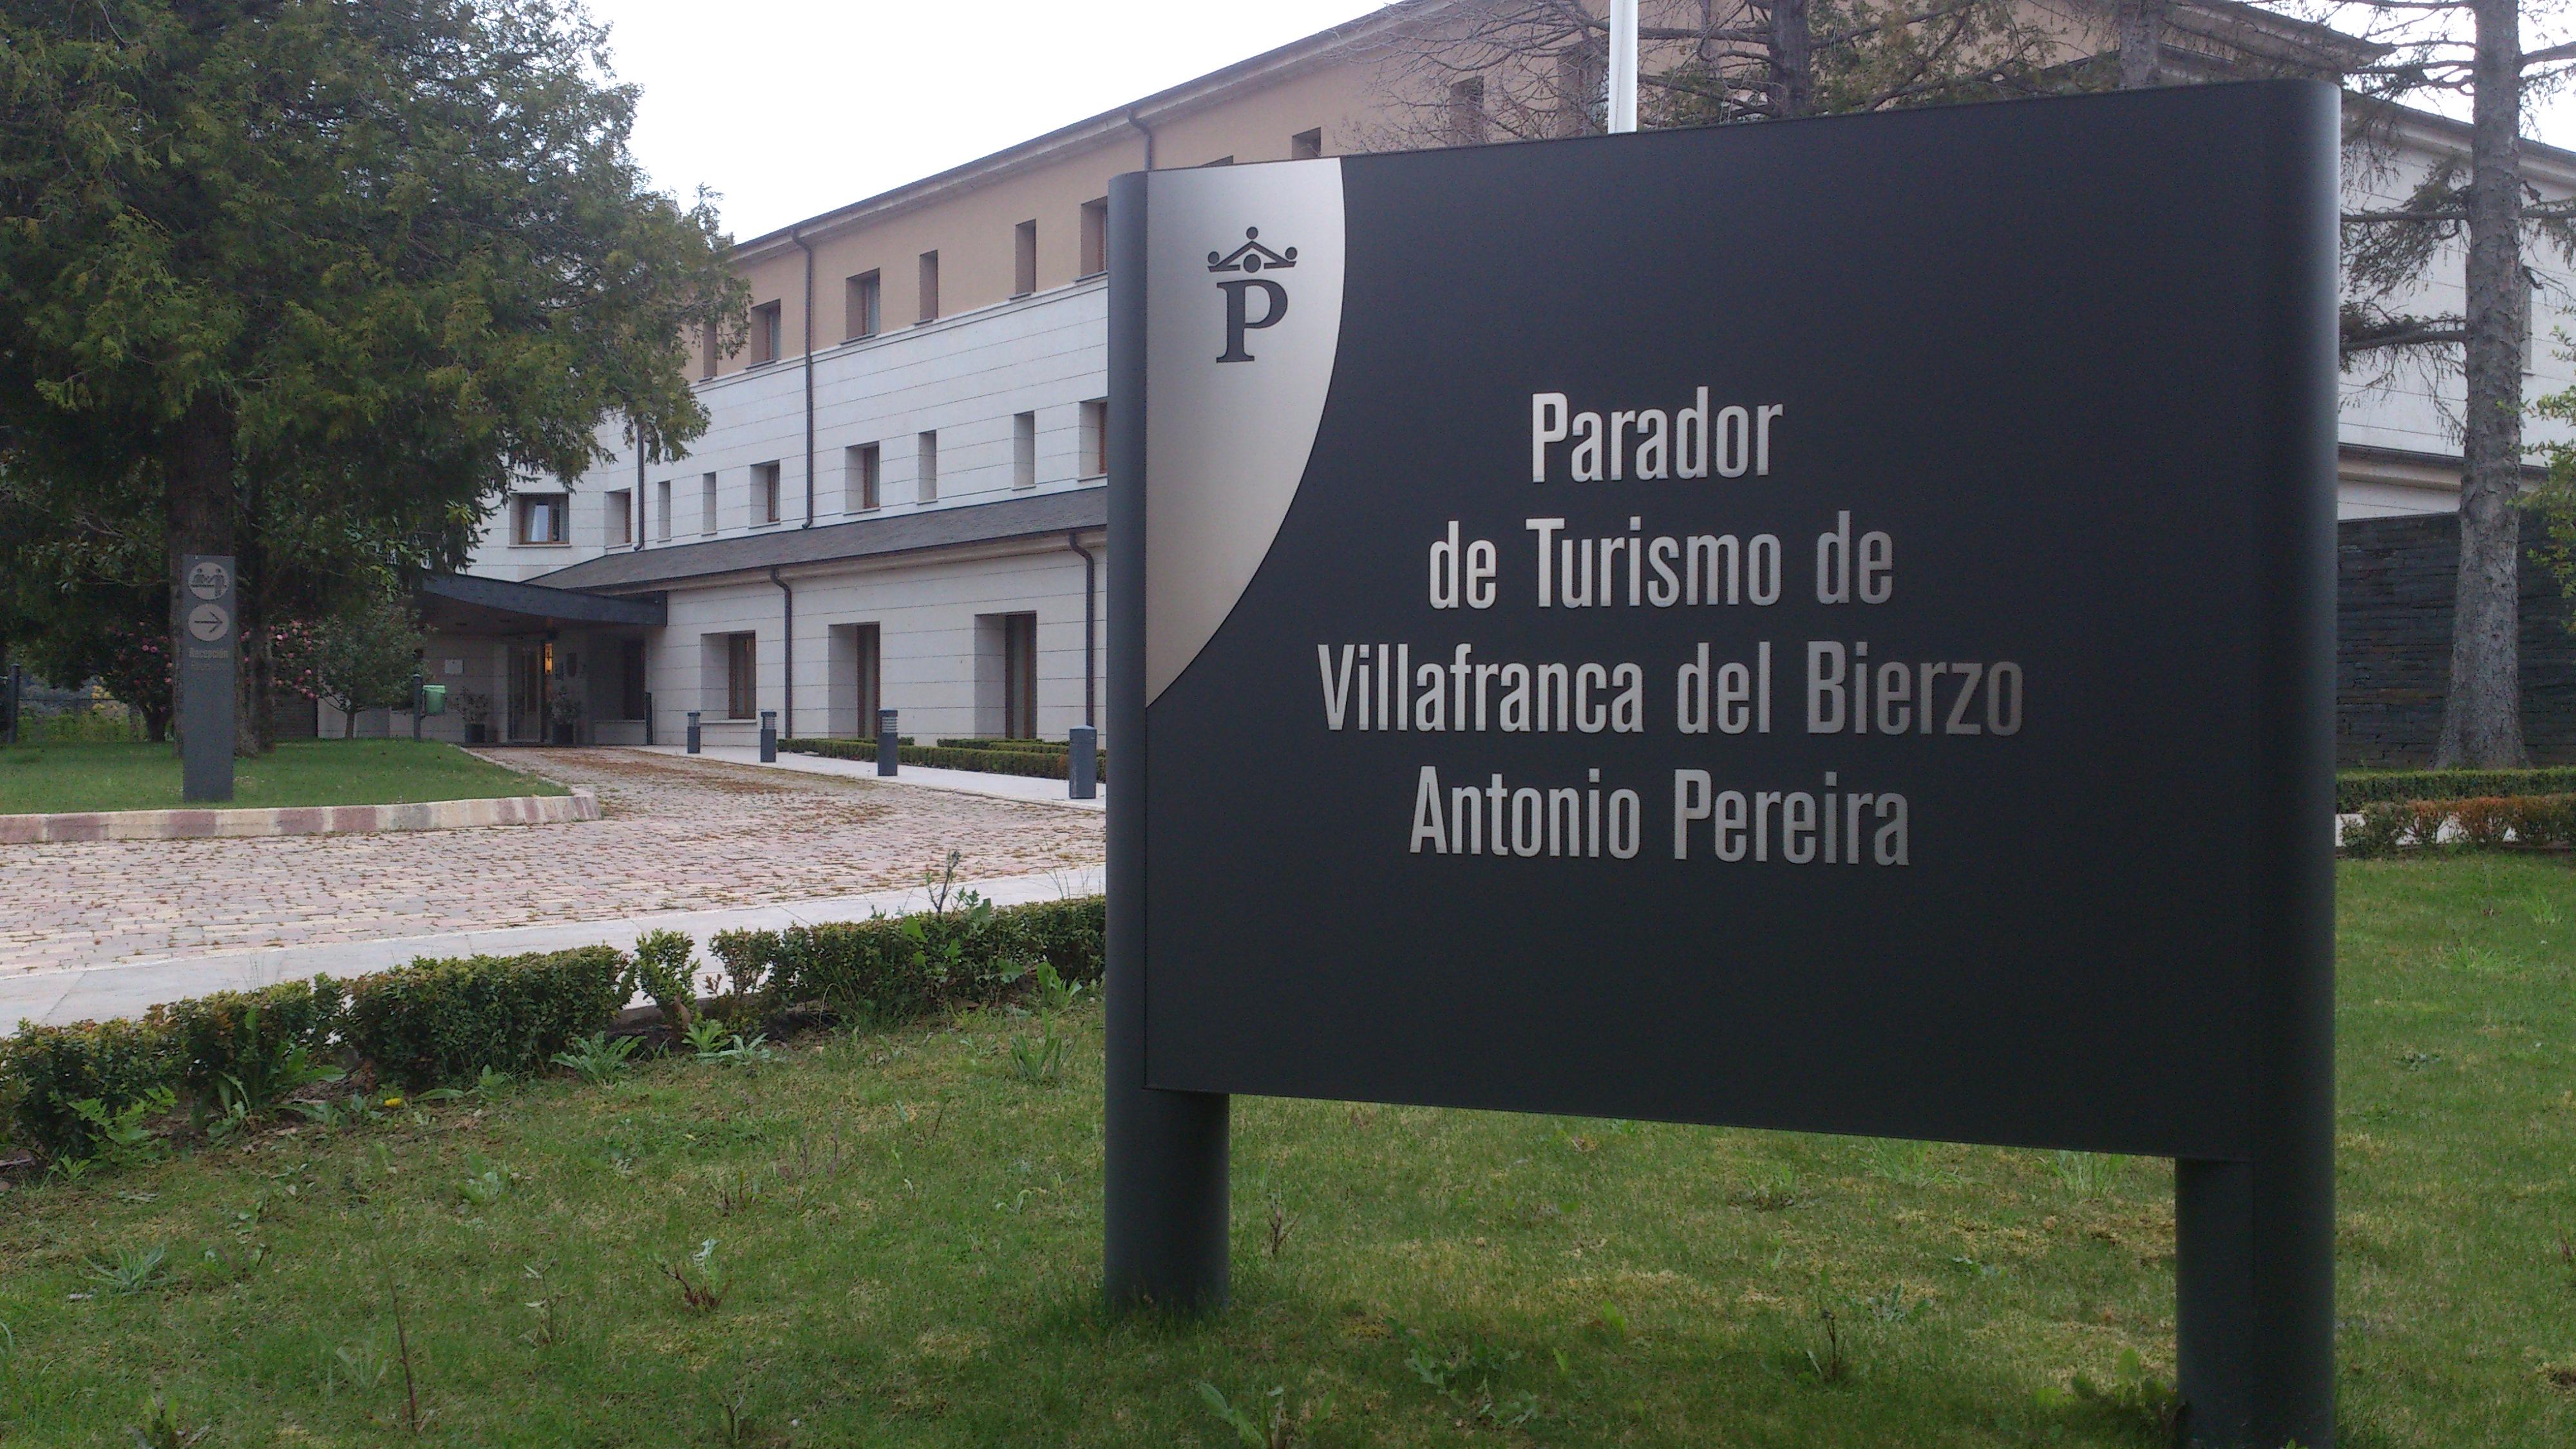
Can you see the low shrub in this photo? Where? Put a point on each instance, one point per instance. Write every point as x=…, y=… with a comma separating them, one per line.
x=1048, y=764
x=2383, y=828
x=910, y=965
x=661, y=971
x=2353, y=791
x=54, y=1069
x=2525, y=822
x=446, y=1021
x=254, y=1040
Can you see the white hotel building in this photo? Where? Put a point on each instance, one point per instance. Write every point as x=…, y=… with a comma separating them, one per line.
x=900, y=500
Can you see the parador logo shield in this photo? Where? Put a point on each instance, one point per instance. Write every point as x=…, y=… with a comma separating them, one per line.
x=1250, y=258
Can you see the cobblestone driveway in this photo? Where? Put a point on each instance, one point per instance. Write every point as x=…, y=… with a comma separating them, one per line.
x=679, y=835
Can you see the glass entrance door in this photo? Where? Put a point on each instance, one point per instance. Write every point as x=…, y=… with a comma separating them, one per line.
x=528, y=694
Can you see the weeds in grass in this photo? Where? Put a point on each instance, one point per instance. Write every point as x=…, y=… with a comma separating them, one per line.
x=1892, y=1307
x=1279, y=1429
x=1826, y=1357
x=1467, y=1377
x=2088, y=1174
x=2132, y=1393
x=700, y=1289
x=493, y=1084
x=598, y=1058
x=1281, y=1222
x=734, y=1196
x=121, y=1138
x=548, y=1332
x=133, y=1270
x=1775, y=1193
x=161, y=1428
x=737, y=1051
x=1041, y=1061
x=484, y=1184
x=361, y=1366
x=338, y=1116
x=733, y=1426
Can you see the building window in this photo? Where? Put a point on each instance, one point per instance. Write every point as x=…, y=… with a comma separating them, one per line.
x=930, y=286
x=1019, y=676
x=925, y=467
x=1024, y=259
x=1306, y=145
x=742, y=676
x=707, y=504
x=855, y=680
x=1220, y=161
x=662, y=509
x=541, y=518
x=861, y=467
x=1024, y=450
x=706, y=349
x=617, y=529
x=764, y=333
x=1467, y=112
x=764, y=492
x=1095, y=438
x=1095, y=237
x=862, y=312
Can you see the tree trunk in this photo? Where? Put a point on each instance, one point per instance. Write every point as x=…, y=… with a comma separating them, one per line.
x=2142, y=44
x=2482, y=716
x=198, y=507
x=1793, y=60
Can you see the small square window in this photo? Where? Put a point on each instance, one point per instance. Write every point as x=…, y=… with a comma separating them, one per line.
x=863, y=466
x=1095, y=237
x=542, y=518
x=1095, y=438
x=1306, y=145
x=862, y=304
x=764, y=333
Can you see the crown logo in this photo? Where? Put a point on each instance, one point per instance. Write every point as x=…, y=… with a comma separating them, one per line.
x=1252, y=256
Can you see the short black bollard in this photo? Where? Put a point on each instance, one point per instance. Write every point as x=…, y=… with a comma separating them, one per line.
x=769, y=737
x=1082, y=766
x=889, y=744
x=693, y=731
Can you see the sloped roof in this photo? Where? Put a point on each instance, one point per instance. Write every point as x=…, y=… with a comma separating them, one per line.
x=1078, y=509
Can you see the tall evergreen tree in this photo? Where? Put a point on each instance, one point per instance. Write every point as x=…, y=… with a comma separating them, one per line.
x=310, y=282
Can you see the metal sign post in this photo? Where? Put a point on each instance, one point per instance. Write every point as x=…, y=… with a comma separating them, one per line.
x=1739, y=671
x=209, y=648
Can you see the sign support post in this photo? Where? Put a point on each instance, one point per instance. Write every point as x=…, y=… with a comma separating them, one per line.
x=206, y=677
x=1167, y=1152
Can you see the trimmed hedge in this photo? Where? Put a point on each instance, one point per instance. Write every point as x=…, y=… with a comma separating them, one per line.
x=437, y=1021
x=248, y=1035
x=980, y=742
x=1033, y=763
x=445, y=1021
x=48, y=1068
x=2354, y=791
x=2495, y=822
x=909, y=965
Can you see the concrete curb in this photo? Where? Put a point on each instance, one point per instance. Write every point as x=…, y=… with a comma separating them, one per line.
x=581, y=804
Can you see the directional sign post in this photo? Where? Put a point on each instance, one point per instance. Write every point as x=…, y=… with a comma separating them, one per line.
x=209, y=647
x=1746, y=626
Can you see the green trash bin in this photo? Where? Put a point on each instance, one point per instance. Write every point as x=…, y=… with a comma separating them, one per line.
x=433, y=699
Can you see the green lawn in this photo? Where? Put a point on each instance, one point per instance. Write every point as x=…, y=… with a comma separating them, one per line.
x=45, y=779
x=905, y=1234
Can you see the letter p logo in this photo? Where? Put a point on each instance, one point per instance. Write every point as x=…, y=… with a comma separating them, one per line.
x=1238, y=320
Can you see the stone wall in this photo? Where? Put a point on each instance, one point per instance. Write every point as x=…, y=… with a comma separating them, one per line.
x=2393, y=653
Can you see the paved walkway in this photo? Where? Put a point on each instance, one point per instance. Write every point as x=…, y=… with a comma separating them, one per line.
x=971, y=782
x=680, y=837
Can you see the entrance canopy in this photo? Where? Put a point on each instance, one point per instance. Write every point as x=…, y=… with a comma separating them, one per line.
x=469, y=605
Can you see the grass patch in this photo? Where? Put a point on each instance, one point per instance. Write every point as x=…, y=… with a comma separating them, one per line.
x=54, y=778
x=892, y=1237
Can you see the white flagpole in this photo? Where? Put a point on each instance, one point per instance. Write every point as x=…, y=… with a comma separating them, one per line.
x=1623, y=65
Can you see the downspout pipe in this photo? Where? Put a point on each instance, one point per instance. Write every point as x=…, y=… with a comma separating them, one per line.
x=1147, y=131
x=798, y=238
x=637, y=543
x=786, y=655
x=1090, y=616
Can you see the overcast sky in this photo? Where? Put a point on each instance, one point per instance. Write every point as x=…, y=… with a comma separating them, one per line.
x=793, y=107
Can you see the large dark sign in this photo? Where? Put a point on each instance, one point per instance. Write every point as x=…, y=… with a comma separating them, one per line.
x=1821, y=626
x=208, y=648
